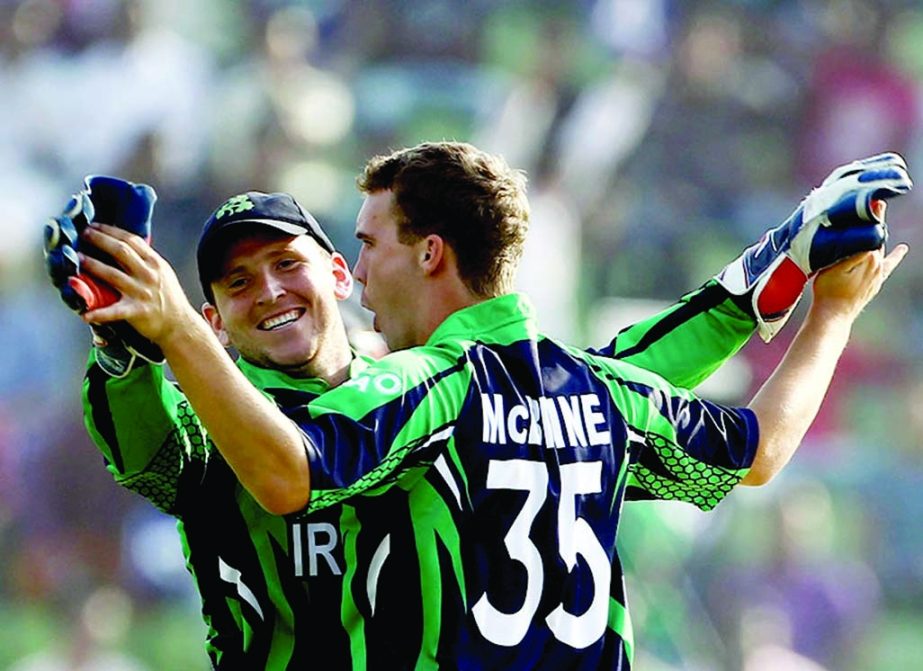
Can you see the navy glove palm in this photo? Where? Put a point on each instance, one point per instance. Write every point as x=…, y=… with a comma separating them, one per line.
x=119, y=203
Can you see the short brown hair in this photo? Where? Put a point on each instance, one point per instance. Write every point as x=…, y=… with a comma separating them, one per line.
x=470, y=198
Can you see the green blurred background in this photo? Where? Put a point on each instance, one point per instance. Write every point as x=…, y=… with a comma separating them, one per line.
x=660, y=137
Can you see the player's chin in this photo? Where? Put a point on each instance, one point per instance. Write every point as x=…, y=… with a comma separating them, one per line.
x=284, y=348
x=290, y=361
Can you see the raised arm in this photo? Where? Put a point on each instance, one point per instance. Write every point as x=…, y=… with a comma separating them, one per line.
x=788, y=402
x=263, y=447
x=141, y=423
x=691, y=339
x=688, y=341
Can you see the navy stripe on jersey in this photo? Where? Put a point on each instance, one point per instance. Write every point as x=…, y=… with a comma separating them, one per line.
x=395, y=621
x=306, y=596
x=363, y=445
x=705, y=430
x=703, y=427
x=102, y=416
x=708, y=298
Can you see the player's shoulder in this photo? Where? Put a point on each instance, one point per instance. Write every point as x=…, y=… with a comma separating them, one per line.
x=613, y=368
x=406, y=369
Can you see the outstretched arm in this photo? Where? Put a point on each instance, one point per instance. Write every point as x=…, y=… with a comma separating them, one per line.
x=788, y=402
x=691, y=339
x=263, y=447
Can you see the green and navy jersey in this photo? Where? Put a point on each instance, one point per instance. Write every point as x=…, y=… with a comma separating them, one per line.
x=272, y=587
x=485, y=472
x=259, y=576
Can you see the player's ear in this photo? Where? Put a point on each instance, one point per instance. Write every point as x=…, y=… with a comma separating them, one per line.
x=210, y=312
x=431, y=253
x=343, y=279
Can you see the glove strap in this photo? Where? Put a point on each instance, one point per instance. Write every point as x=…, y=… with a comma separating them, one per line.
x=774, y=292
x=112, y=356
x=119, y=348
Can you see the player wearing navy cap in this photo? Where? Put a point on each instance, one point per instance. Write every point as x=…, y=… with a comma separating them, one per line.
x=273, y=281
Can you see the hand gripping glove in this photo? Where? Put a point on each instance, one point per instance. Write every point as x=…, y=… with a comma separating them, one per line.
x=119, y=203
x=836, y=220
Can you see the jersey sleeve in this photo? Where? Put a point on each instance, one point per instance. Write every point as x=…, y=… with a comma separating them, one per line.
x=376, y=429
x=681, y=447
x=150, y=438
x=688, y=341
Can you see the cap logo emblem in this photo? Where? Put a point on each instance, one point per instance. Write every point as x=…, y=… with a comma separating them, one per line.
x=235, y=205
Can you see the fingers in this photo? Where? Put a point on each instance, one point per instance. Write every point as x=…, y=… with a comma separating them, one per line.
x=850, y=264
x=890, y=157
x=893, y=260
x=128, y=249
x=137, y=264
x=117, y=311
x=866, y=272
x=101, y=270
x=120, y=234
x=131, y=292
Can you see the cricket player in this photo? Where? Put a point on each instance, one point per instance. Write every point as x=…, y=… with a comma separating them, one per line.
x=381, y=476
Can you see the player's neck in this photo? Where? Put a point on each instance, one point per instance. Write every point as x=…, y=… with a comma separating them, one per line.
x=331, y=363
x=444, y=298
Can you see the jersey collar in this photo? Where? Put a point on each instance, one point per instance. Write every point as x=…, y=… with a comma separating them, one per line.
x=264, y=378
x=491, y=316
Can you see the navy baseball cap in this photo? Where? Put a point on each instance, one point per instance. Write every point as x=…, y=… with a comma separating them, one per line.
x=254, y=208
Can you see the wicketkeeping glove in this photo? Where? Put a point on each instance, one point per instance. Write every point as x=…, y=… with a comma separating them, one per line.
x=834, y=221
x=119, y=203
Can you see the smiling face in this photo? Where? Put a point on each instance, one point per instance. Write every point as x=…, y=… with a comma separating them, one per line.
x=276, y=304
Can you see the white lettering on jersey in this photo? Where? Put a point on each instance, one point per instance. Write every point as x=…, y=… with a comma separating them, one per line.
x=321, y=540
x=570, y=413
x=551, y=423
x=516, y=424
x=493, y=419
x=593, y=419
x=384, y=383
x=535, y=427
x=545, y=422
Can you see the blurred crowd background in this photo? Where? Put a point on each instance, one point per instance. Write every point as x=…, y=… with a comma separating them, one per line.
x=660, y=137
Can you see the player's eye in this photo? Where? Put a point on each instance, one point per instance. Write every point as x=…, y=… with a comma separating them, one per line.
x=286, y=263
x=236, y=283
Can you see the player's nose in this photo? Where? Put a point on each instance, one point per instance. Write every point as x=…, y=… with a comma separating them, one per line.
x=271, y=288
x=359, y=269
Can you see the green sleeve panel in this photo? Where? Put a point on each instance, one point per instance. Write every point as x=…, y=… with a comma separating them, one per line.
x=145, y=429
x=688, y=341
x=417, y=394
x=682, y=448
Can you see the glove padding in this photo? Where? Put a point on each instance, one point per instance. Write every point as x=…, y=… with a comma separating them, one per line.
x=119, y=203
x=836, y=220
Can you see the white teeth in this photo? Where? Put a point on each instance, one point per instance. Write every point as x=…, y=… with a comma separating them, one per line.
x=279, y=320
